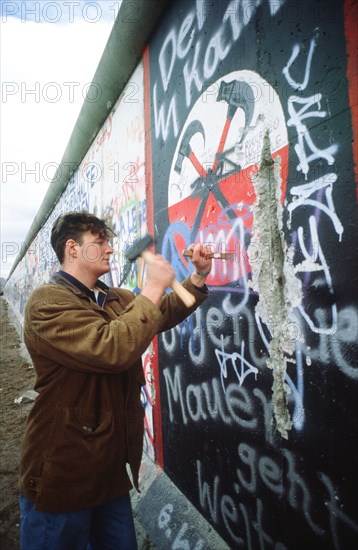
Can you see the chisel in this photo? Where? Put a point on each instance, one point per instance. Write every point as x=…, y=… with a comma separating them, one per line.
x=188, y=253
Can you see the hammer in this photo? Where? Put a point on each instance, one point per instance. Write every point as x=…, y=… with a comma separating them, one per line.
x=139, y=249
x=185, y=150
x=235, y=96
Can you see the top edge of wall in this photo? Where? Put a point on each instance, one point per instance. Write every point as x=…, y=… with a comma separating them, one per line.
x=131, y=30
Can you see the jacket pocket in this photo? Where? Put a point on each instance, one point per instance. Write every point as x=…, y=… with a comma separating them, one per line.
x=87, y=427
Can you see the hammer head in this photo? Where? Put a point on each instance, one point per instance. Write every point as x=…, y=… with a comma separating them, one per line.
x=139, y=246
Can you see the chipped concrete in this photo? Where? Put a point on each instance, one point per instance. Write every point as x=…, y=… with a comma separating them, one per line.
x=274, y=279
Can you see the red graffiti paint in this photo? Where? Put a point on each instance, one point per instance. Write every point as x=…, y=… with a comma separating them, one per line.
x=157, y=409
x=217, y=155
x=351, y=25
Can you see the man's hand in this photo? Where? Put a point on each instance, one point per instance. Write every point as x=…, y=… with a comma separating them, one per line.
x=159, y=276
x=201, y=263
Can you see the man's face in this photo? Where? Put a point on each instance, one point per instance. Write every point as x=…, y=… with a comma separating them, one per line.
x=94, y=253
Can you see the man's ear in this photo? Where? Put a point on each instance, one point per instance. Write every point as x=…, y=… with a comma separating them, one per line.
x=70, y=248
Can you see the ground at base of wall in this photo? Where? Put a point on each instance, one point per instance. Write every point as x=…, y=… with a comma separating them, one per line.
x=16, y=377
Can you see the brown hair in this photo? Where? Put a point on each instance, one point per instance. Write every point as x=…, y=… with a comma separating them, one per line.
x=72, y=225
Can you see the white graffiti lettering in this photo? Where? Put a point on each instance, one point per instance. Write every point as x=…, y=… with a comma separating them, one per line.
x=281, y=476
x=245, y=367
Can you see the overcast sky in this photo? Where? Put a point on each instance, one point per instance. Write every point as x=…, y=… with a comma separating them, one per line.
x=49, y=54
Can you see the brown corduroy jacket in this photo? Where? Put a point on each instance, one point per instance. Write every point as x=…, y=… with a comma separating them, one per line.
x=87, y=421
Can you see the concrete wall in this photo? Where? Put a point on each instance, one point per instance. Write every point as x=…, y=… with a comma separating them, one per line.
x=239, y=129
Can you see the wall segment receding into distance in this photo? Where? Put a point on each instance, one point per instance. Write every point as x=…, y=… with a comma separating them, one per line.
x=133, y=25
x=236, y=126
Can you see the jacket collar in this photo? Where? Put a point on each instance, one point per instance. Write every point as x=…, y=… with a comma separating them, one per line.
x=70, y=282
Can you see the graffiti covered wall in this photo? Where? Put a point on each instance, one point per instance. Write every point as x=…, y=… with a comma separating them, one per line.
x=238, y=131
x=252, y=146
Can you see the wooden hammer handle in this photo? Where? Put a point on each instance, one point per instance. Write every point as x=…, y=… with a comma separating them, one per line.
x=186, y=297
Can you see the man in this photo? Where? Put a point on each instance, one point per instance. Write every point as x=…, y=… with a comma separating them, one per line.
x=86, y=341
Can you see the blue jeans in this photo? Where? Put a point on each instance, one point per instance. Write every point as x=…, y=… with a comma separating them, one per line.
x=106, y=527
